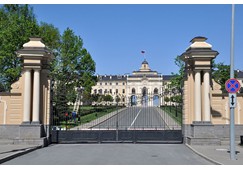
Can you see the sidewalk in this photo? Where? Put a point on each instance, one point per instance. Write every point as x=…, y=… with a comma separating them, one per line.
x=10, y=151
x=219, y=154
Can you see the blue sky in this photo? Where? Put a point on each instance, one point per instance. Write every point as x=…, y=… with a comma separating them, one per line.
x=116, y=34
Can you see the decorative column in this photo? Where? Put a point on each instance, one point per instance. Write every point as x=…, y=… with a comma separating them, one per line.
x=36, y=97
x=197, y=96
x=27, y=96
x=207, y=108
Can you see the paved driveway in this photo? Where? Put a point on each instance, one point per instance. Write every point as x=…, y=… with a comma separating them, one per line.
x=111, y=154
x=139, y=117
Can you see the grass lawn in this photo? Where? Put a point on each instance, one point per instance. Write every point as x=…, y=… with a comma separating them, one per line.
x=172, y=113
x=96, y=112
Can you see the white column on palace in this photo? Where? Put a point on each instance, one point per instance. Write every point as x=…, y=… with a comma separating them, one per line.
x=206, y=96
x=197, y=97
x=27, y=95
x=36, y=96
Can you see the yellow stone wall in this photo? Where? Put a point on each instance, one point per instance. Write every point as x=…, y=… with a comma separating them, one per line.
x=220, y=111
x=220, y=107
x=11, y=104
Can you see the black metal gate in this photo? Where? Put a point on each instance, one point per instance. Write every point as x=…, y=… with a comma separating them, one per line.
x=132, y=123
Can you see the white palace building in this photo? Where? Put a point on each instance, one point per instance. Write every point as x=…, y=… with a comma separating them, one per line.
x=142, y=88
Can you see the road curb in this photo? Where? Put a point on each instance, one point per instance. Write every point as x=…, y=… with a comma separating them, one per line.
x=203, y=156
x=14, y=155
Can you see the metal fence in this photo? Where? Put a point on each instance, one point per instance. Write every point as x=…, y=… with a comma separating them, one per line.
x=142, y=123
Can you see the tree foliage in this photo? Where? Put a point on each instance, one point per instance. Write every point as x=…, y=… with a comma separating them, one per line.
x=108, y=98
x=177, y=80
x=17, y=24
x=167, y=99
x=72, y=66
x=221, y=73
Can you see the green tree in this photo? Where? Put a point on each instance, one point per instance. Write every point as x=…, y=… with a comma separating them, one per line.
x=17, y=24
x=95, y=97
x=177, y=80
x=50, y=36
x=167, y=99
x=74, y=67
x=108, y=98
x=2, y=88
x=221, y=73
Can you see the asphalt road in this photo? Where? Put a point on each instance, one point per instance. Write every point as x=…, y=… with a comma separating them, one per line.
x=136, y=117
x=111, y=154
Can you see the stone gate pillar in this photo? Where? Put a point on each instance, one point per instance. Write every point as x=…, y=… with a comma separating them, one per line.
x=196, y=97
x=36, y=94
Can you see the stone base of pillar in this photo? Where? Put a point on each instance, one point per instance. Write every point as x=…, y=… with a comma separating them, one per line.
x=25, y=134
x=201, y=133
x=33, y=133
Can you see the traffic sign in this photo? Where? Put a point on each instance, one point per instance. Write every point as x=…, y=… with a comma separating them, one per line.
x=232, y=85
x=232, y=100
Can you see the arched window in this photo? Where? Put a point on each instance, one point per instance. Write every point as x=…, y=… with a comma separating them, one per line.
x=144, y=91
x=133, y=91
x=100, y=91
x=156, y=91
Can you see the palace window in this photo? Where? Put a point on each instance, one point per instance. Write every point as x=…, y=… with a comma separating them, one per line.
x=155, y=91
x=100, y=91
x=133, y=91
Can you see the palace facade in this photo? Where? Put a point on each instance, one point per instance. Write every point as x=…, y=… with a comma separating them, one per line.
x=143, y=87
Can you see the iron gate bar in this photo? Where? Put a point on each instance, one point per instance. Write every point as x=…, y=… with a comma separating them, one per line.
x=131, y=124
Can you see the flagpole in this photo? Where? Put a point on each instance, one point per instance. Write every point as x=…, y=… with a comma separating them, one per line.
x=143, y=52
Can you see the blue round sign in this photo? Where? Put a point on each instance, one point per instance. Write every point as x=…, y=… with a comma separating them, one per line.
x=232, y=85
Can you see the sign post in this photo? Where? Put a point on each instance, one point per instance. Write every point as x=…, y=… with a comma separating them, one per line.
x=232, y=109
x=232, y=86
